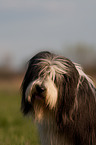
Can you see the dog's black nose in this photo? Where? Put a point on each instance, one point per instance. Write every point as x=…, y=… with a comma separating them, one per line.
x=40, y=89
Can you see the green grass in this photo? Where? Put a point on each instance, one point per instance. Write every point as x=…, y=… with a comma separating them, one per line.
x=15, y=129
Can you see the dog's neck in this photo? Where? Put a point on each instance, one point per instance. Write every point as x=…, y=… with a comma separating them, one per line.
x=49, y=134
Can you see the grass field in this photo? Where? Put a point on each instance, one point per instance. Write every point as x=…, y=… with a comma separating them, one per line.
x=15, y=129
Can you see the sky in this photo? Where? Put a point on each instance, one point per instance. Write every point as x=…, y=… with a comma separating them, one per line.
x=29, y=26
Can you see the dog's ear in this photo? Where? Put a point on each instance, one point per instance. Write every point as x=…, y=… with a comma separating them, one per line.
x=28, y=78
x=67, y=87
x=25, y=105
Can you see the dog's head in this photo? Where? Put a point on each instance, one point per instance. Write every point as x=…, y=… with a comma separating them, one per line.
x=49, y=86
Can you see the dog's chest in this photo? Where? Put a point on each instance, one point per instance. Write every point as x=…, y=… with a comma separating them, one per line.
x=50, y=136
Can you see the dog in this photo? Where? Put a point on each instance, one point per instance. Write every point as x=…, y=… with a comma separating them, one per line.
x=62, y=100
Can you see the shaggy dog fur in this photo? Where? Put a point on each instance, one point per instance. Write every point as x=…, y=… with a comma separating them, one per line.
x=61, y=98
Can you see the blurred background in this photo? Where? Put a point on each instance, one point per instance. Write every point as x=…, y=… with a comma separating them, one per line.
x=26, y=27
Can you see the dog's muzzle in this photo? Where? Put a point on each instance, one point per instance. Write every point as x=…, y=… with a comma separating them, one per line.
x=40, y=92
x=35, y=91
x=40, y=89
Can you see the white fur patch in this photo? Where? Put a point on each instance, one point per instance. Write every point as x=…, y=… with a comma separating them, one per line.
x=55, y=66
x=81, y=73
x=52, y=93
